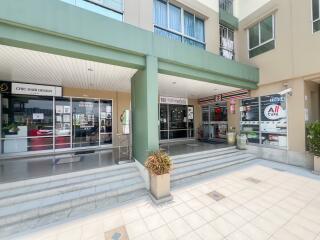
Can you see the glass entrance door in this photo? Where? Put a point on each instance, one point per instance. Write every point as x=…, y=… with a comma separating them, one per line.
x=85, y=127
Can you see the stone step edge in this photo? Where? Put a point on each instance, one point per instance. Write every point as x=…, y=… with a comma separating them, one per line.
x=64, y=189
x=55, y=207
x=114, y=173
x=214, y=168
x=202, y=152
x=213, y=163
x=28, y=182
x=218, y=156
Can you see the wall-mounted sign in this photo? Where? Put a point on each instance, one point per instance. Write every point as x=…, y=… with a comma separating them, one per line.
x=174, y=100
x=274, y=112
x=34, y=89
x=190, y=113
x=37, y=116
x=5, y=87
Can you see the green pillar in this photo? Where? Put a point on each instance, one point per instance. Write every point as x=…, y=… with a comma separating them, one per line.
x=144, y=101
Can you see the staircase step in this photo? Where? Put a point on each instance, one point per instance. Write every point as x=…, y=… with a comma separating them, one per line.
x=202, y=153
x=39, y=206
x=204, y=169
x=202, y=159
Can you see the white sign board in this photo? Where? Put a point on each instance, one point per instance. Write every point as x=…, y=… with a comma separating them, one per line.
x=37, y=116
x=174, y=100
x=274, y=112
x=33, y=89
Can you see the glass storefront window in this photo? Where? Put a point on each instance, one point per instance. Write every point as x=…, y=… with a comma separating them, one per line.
x=264, y=120
x=27, y=123
x=62, y=123
x=85, y=127
x=105, y=122
x=176, y=121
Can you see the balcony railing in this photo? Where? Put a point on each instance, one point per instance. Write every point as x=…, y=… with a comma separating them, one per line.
x=178, y=37
x=226, y=5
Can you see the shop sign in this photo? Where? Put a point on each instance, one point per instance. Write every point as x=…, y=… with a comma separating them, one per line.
x=174, y=100
x=274, y=112
x=34, y=89
x=5, y=87
x=190, y=113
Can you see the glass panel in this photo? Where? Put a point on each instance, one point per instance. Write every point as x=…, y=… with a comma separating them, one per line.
x=63, y=123
x=98, y=9
x=226, y=42
x=316, y=26
x=160, y=14
x=199, y=30
x=163, y=135
x=174, y=18
x=274, y=120
x=249, y=124
x=177, y=117
x=167, y=34
x=85, y=122
x=106, y=121
x=189, y=24
x=226, y=5
x=266, y=29
x=178, y=134
x=26, y=117
x=315, y=9
x=194, y=43
x=163, y=117
x=254, y=36
x=205, y=115
x=262, y=49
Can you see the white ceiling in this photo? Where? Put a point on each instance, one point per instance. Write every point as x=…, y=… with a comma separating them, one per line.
x=171, y=86
x=22, y=65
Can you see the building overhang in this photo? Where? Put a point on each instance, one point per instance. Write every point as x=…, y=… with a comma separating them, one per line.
x=62, y=29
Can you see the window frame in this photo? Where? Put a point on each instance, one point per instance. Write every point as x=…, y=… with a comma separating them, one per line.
x=259, y=27
x=229, y=30
x=316, y=20
x=182, y=33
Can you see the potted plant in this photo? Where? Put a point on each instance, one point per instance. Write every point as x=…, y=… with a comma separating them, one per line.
x=231, y=136
x=11, y=129
x=313, y=137
x=159, y=166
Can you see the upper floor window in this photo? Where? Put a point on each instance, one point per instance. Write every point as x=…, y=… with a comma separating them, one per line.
x=109, y=8
x=226, y=5
x=177, y=24
x=226, y=42
x=316, y=15
x=261, y=37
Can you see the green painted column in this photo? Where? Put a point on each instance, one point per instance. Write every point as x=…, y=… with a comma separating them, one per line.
x=144, y=100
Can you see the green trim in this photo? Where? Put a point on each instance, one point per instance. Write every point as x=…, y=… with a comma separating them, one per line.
x=60, y=28
x=228, y=20
x=144, y=103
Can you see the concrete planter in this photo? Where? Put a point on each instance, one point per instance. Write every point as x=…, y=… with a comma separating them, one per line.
x=242, y=142
x=160, y=188
x=316, y=161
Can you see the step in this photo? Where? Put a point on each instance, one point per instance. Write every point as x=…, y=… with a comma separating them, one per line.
x=69, y=184
x=200, y=164
x=201, y=169
x=67, y=201
x=202, y=159
x=202, y=153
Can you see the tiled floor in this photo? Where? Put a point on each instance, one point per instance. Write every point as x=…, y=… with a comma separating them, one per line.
x=279, y=205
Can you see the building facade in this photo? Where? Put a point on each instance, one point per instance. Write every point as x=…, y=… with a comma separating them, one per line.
x=79, y=74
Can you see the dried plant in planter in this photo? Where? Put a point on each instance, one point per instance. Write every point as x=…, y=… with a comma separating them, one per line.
x=158, y=163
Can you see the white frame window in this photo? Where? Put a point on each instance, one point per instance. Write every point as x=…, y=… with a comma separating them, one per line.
x=317, y=20
x=227, y=42
x=183, y=37
x=260, y=43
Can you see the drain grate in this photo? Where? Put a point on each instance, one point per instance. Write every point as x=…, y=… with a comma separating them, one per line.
x=253, y=180
x=216, y=195
x=119, y=233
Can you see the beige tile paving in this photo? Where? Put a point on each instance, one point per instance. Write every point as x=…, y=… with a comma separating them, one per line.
x=283, y=206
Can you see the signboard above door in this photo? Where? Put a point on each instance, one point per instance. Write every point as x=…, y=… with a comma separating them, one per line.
x=35, y=89
x=173, y=100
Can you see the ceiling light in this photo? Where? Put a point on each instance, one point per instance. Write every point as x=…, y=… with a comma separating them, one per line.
x=174, y=82
x=90, y=69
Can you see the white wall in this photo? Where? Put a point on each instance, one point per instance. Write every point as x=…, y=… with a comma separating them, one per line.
x=243, y=8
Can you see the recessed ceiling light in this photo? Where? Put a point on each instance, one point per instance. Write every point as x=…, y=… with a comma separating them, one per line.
x=174, y=82
x=90, y=69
